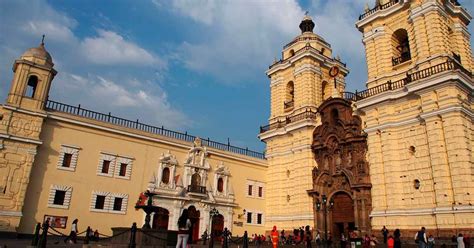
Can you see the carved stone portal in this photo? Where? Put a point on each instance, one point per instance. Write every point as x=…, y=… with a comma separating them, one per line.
x=340, y=147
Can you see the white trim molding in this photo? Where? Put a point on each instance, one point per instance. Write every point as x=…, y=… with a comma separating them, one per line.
x=73, y=151
x=67, y=196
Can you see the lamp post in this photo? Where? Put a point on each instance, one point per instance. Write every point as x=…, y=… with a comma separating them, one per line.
x=322, y=206
x=212, y=213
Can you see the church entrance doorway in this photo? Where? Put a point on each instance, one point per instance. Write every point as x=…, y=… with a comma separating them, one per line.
x=342, y=173
x=160, y=219
x=194, y=217
x=218, y=226
x=342, y=215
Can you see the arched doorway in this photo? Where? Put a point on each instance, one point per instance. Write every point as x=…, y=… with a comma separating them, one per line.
x=161, y=219
x=218, y=226
x=194, y=216
x=342, y=214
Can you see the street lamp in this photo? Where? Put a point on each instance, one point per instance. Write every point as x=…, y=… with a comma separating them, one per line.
x=325, y=208
x=212, y=213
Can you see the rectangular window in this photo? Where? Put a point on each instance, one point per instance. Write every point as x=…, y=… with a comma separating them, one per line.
x=118, y=204
x=123, y=169
x=250, y=190
x=259, y=218
x=105, y=166
x=260, y=191
x=67, y=160
x=100, y=202
x=59, y=196
x=249, y=217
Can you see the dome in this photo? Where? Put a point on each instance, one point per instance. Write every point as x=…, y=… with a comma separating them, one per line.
x=39, y=53
x=307, y=24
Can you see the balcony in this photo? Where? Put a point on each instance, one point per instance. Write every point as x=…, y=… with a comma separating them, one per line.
x=451, y=64
x=405, y=57
x=307, y=115
x=197, y=189
x=377, y=8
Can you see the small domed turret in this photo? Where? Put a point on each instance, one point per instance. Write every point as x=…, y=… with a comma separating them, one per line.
x=38, y=53
x=307, y=24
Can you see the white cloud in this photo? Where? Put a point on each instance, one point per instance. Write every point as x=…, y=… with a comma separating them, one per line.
x=145, y=100
x=111, y=48
x=241, y=37
x=53, y=31
x=82, y=78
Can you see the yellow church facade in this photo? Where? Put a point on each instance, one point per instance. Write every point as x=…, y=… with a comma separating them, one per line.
x=399, y=153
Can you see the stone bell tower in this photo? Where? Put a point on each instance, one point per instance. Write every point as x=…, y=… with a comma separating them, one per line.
x=299, y=83
x=418, y=115
x=21, y=119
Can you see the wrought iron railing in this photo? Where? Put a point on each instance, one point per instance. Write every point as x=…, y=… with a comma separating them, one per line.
x=377, y=8
x=197, y=189
x=109, y=118
x=449, y=65
x=404, y=57
x=307, y=115
x=303, y=49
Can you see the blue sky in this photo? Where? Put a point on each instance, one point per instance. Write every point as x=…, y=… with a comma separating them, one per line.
x=196, y=66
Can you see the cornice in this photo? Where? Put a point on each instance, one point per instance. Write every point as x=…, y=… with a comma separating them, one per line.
x=381, y=14
x=261, y=163
x=422, y=116
x=423, y=211
x=441, y=78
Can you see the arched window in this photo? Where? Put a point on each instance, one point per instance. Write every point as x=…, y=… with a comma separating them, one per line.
x=292, y=53
x=220, y=185
x=400, y=47
x=165, y=176
x=290, y=95
x=31, y=86
x=196, y=180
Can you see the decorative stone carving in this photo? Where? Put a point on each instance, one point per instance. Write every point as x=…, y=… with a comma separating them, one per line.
x=340, y=146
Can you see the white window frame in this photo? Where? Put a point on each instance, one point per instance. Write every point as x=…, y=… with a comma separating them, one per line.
x=255, y=185
x=255, y=214
x=67, y=196
x=112, y=159
x=246, y=217
x=123, y=160
x=109, y=202
x=123, y=209
x=71, y=149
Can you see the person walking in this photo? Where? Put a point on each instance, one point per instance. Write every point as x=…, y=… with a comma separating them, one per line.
x=274, y=235
x=373, y=241
x=204, y=237
x=308, y=237
x=396, y=239
x=183, y=229
x=467, y=241
x=385, y=234
x=318, y=238
x=73, y=234
x=420, y=238
x=390, y=242
x=343, y=240
x=460, y=241
x=431, y=241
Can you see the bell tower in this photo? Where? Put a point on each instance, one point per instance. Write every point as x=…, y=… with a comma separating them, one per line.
x=33, y=74
x=21, y=119
x=299, y=82
x=418, y=115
